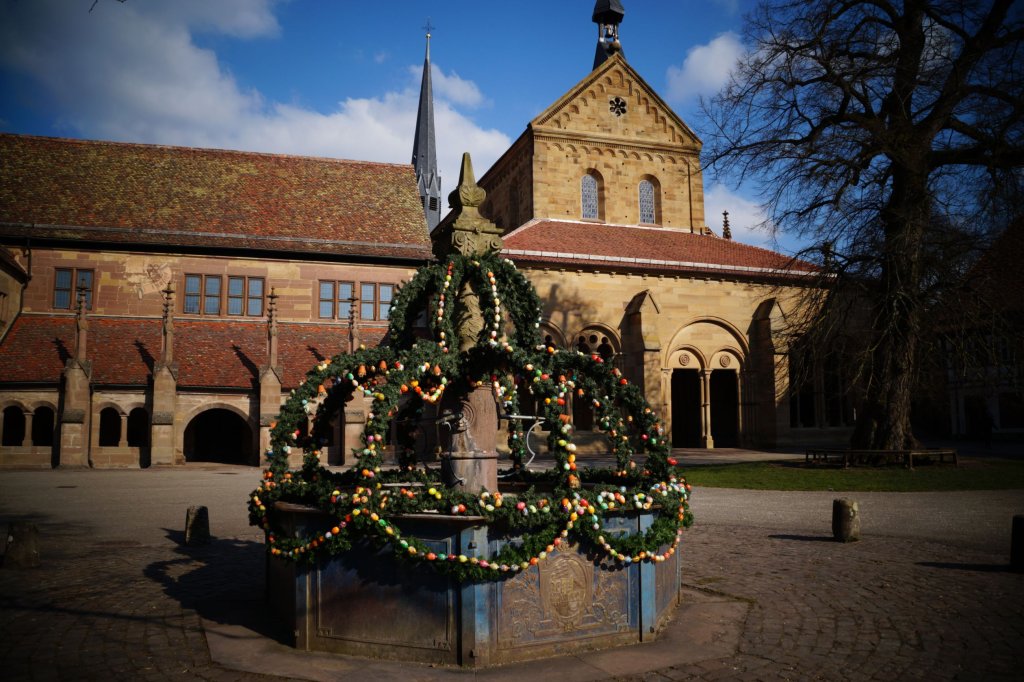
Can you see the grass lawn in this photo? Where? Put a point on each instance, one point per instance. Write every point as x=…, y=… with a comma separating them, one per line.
x=972, y=474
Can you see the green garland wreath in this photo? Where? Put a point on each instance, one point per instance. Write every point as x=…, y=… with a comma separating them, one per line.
x=359, y=505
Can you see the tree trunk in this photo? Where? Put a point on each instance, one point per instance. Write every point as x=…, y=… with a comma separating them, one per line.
x=884, y=423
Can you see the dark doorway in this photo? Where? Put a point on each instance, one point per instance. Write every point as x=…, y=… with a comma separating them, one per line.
x=43, y=427
x=725, y=408
x=686, y=408
x=110, y=428
x=218, y=435
x=14, y=426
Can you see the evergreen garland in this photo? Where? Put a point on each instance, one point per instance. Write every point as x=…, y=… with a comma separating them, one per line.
x=358, y=505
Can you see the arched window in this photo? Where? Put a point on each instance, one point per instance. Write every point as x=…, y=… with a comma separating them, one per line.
x=647, y=213
x=42, y=427
x=110, y=427
x=14, y=426
x=592, y=342
x=138, y=428
x=590, y=197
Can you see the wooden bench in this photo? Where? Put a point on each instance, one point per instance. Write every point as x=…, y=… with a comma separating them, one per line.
x=851, y=457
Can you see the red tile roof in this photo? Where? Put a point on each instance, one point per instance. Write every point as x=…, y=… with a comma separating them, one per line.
x=150, y=194
x=221, y=354
x=599, y=245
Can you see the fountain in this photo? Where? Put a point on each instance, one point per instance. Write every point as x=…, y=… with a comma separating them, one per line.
x=441, y=558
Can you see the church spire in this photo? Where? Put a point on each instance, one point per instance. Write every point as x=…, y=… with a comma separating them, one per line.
x=607, y=15
x=424, y=148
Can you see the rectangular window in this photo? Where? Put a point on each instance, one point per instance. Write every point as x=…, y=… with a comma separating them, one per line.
x=211, y=295
x=254, y=297
x=193, y=290
x=384, y=301
x=236, y=295
x=345, y=290
x=367, y=301
x=67, y=282
x=245, y=296
x=336, y=298
x=206, y=295
x=326, y=300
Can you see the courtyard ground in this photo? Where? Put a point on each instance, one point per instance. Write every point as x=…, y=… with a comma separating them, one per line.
x=926, y=594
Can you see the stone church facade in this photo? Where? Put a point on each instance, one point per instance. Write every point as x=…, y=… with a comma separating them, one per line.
x=601, y=203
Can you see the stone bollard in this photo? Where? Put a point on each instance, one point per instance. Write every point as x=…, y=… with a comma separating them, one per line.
x=1017, y=544
x=845, y=520
x=197, y=526
x=22, y=546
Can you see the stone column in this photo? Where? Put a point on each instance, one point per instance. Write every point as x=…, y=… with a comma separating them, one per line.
x=470, y=448
x=27, y=439
x=75, y=418
x=123, y=442
x=705, y=409
x=666, y=401
x=270, y=387
x=162, y=443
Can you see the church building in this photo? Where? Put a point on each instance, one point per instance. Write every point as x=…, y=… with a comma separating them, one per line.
x=158, y=303
x=601, y=201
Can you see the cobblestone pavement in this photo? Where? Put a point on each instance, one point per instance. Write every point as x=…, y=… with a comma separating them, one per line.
x=119, y=597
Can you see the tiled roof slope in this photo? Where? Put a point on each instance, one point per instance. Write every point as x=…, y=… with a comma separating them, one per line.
x=150, y=194
x=123, y=351
x=604, y=246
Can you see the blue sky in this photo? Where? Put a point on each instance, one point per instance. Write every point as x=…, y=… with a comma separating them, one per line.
x=339, y=78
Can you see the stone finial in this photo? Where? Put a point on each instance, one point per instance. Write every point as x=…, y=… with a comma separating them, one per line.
x=81, y=326
x=726, y=232
x=272, y=328
x=353, y=322
x=469, y=232
x=167, y=349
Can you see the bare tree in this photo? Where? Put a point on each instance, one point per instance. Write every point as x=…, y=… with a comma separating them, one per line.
x=887, y=132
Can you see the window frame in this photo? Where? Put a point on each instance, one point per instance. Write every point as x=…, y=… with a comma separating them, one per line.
x=646, y=182
x=246, y=298
x=595, y=184
x=199, y=302
x=72, y=292
x=339, y=304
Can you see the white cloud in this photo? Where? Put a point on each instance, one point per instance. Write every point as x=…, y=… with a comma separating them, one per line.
x=132, y=72
x=705, y=69
x=450, y=86
x=747, y=220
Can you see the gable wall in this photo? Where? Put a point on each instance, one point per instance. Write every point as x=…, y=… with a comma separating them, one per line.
x=560, y=162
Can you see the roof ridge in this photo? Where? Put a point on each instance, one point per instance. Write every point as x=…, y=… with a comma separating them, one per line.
x=218, y=150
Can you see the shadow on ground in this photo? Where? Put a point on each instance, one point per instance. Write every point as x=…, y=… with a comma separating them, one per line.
x=223, y=581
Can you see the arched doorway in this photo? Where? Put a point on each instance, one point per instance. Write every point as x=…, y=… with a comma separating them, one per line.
x=218, y=435
x=14, y=426
x=686, y=408
x=725, y=408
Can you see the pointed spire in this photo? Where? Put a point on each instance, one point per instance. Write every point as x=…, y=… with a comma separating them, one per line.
x=726, y=232
x=607, y=15
x=424, y=148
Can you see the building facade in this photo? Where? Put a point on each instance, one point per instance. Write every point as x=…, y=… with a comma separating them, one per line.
x=601, y=202
x=159, y=302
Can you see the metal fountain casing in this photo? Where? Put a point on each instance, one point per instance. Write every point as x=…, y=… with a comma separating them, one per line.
x=365, y=603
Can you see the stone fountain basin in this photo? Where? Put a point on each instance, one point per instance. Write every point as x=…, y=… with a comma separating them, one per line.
x=366, y=603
